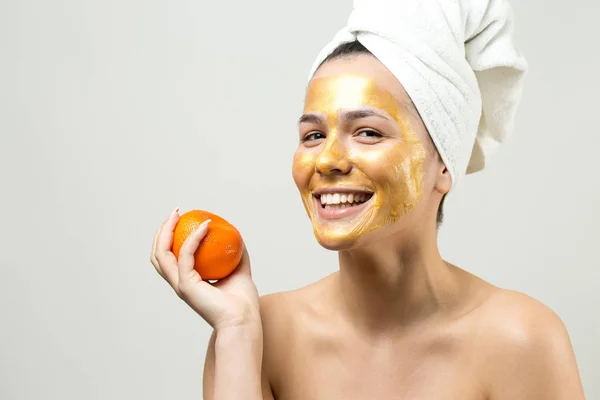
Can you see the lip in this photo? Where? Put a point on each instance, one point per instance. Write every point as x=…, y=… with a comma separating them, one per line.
x=338, y=213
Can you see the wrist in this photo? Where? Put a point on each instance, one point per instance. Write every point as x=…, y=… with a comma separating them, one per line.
x=245, y=320
x=247, y=332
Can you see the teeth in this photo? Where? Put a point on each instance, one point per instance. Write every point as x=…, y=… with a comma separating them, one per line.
x=342, y=199
x=336, y=198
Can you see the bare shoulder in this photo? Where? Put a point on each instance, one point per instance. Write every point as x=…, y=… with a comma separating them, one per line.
x=526, y=348
x=510, y=315
x=282, y=309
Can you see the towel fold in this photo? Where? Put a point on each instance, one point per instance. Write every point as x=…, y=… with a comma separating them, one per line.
x=456, y=60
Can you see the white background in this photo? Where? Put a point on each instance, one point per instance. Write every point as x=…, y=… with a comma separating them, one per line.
x=112, y=113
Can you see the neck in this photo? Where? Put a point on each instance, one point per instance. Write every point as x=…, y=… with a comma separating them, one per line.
x=394, y=283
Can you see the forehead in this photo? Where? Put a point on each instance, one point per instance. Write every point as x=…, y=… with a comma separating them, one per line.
x=367, y=67
x=371, y=68
x=332, y=94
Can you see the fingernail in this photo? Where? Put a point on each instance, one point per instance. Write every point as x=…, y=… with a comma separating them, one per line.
x=175, y=211
x=202, y=225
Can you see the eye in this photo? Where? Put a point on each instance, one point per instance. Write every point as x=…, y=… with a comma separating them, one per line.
x=369, y=133
x=368, y=136
x=313, y=136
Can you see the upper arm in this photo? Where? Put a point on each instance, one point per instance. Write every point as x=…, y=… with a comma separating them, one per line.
x=532, y=357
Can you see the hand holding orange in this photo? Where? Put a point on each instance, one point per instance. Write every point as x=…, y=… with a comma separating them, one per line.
x=219, y=252
x=190, y=249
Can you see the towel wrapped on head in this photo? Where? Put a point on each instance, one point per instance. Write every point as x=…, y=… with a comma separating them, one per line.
x=457, y=61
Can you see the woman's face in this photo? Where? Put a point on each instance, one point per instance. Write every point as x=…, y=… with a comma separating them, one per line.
x=360, y=161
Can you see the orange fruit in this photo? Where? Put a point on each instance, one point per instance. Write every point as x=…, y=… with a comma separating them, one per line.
x=220, y=251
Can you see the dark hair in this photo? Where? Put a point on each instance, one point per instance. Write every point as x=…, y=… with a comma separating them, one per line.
x=347, y=50
x=354, y=48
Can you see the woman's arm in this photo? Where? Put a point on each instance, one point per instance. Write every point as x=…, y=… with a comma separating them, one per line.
x=233, y=366
x=231, y=306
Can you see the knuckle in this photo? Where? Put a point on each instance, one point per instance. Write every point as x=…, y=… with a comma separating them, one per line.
x=188, y=243
x=185, y=257
x=182, y=259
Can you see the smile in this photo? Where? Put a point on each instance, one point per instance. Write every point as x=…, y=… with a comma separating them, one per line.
x=335, y=203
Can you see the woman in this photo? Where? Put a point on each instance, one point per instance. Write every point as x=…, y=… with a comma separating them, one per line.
x=395, y=111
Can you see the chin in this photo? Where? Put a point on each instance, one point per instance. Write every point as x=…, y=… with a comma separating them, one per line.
x=343, y=240
x=336, y=242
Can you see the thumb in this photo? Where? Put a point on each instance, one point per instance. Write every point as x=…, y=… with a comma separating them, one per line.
x=204, y=298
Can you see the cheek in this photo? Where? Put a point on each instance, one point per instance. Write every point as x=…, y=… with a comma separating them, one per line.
x=430, y=171
x=410, y=171
x=396, y=170
x=385, y=165
x=302, y=168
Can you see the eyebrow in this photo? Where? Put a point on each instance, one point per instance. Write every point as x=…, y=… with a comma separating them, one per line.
x=358, y=114
x=311, y=119
x=346, y=117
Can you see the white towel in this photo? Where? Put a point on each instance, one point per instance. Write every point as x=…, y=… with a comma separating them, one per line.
x=458, y=63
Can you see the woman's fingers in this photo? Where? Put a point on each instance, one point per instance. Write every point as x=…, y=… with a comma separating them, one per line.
x=201, y=296
x=153, y=259
x=231, y=306
x=166, y=259
x=186, y=254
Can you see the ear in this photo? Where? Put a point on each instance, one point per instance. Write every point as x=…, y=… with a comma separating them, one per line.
x=443, y=180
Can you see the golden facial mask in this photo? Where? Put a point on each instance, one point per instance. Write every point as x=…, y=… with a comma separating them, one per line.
x=392, y=168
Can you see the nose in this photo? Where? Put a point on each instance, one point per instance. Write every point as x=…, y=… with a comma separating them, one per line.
x=332, y=159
